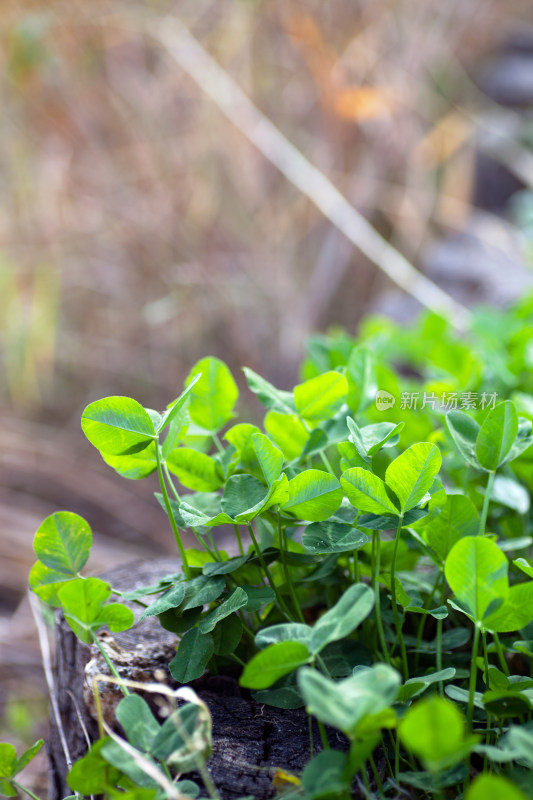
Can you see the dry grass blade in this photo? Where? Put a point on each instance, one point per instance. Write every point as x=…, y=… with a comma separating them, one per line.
x=47, y=667
x=183, y=693
x=234, y=103
x=150, y=769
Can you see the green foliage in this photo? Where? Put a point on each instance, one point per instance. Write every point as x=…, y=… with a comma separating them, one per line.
x=269, y=665
x=86, y=608
x=313, y=495
x=411, y=475
x=11, y=765
x=213, y=397
x=357, y=705
x=118, y=426
x=371, y=574
x=434, y=730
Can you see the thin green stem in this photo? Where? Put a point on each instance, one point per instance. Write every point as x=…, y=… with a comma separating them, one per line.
x=215, y=552
x=323, y=735
x=485, y=658
x=281, y=603
x=423, y=619
x=375, y=582
x=322, y=664
x=486, y=501
x=199, y=539
x=439, y=653
x=473, y=675
x=168, y=507
x=218, y=443
x=396, y=755
x=246, y=628
x=134, y=600
x=170, y=482
x=364, y=775
x=386, y=754
x=396, y=616
x=239, y=540
x=114, y=671
x=326, y=462
x=375, y=773
x=500, y=653
x=25, y=790
x=283, y=550
x=486, y=663
x=355, y=565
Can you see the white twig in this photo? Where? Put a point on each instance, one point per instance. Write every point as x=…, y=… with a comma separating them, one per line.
x=147, y=766
x=47, y=667
x=235, y=104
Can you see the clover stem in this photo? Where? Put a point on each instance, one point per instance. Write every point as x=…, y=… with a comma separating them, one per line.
x=364, y=775
x=499, y=651
x=485, y=658
x=439, y=654
x=239, y=540
x=283, y=548
x=473, y=675
x=311, y=742
x=385, y=753
x=375, y=582
x=486, y=501
x=114, y=671
x=25, y=790
x=323, y=735
x=355, y=567
x=168, y=507
x=396, y=616
x=486, y=663
x=396, y=742
x=268, y=574
x=215, y=555
x=375, y=772
x=423, y=618
x=171, y=482
x=218, y=443
x=326, y=462
x=322, y=664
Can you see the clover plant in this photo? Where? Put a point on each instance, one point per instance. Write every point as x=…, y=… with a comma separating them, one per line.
x=375, y=578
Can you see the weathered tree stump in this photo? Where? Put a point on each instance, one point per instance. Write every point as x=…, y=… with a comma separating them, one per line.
x=250, y=740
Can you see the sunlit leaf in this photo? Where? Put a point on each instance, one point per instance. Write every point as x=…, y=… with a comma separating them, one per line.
x=195, y=470
x=434, y=730
x=344, y=617
x=313, y=495
x=274, y=399
x=319, y=398
x=277, y=660
x=476, y=570
x=117, y=425
x=213, y=397
x=270, y=457
x=288, y=432
x=412, y=474
x=63, y=542
x=367, y=492
x=497, y=435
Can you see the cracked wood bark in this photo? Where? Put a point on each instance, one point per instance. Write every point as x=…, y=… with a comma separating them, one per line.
x=250, y=740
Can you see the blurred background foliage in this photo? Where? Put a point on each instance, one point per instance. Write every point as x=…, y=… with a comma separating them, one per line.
x=140, y=230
